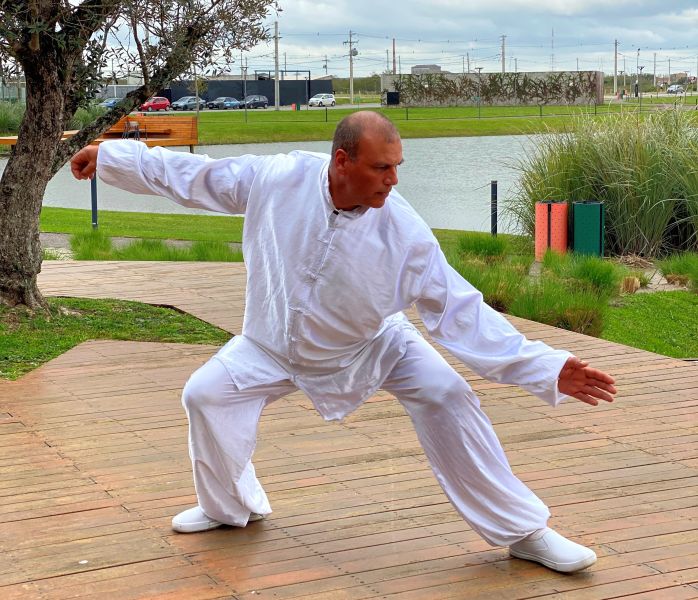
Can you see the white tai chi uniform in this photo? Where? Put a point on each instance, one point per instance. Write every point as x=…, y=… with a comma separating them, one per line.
x=325, y=293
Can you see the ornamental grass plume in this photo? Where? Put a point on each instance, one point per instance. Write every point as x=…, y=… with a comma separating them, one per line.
x=643, y=169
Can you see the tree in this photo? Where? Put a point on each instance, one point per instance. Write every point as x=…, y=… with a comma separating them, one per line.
x=62, y=47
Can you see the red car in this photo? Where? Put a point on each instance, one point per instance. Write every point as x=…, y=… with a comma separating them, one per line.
x=155, y=103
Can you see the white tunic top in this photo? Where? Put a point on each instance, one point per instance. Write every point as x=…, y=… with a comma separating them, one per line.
x=326, y=288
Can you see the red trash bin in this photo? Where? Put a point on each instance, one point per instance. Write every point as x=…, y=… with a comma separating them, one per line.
x=551, y=227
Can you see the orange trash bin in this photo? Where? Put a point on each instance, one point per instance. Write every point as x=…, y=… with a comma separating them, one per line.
x=551, y=227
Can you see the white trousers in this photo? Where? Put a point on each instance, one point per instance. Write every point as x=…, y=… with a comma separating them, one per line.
x=457, y=437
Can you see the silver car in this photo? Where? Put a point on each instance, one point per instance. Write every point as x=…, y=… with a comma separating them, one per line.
x=322, y=100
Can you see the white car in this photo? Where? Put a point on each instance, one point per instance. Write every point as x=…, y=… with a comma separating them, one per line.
x=322, y=100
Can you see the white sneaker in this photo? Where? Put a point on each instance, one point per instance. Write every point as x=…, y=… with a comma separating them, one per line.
x=556, y=552
x=194, y=520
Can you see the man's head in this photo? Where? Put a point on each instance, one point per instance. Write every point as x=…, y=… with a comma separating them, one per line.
x=366, y=151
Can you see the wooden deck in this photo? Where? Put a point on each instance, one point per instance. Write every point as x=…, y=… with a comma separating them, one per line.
x=93, y=464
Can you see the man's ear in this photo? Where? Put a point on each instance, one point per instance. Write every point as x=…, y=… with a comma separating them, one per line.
x=340, y=159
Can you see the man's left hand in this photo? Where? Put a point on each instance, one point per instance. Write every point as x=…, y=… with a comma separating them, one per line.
x=589, y=385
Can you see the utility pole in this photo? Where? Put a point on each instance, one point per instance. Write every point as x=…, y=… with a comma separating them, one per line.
x=387, y=60
x=467, y=56
x=325, y=65
x=276, y=66
x=394, y=63
x=352, y=52
x=637, y=73
x=669, y=83
x=615, y=67
x=552, y=50
x=504, y=68
x=654, y=71
x=242, y=67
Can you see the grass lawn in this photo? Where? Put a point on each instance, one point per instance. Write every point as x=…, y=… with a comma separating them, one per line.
x=661, y=322
x=26, y=343
x=202, y=228
x=230, y=127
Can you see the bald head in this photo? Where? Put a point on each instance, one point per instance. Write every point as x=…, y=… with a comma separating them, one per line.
x=352, y=128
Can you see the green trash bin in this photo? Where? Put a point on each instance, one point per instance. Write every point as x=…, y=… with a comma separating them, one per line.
x=588, y=224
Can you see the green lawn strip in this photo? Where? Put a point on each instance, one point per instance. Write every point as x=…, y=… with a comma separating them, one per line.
x=26, y=343
x=144, y=225
x=661, y=322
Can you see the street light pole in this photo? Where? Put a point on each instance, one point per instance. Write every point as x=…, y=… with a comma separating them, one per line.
x=478, y=69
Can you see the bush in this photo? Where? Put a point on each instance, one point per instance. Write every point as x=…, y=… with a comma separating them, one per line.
x=85, y=116
x=94, y=245
x=642, y=169
x=575, y=310
x=683, y=266
x=11, y=115
x=500, y=284
x=601, y=275
x=91, y=245
x=482, y=244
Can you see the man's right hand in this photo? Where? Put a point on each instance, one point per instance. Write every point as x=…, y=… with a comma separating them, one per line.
x=84, y=164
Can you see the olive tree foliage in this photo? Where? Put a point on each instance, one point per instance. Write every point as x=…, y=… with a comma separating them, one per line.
x=63, y=49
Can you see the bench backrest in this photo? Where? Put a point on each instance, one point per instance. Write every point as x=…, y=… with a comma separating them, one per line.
x=181, y=129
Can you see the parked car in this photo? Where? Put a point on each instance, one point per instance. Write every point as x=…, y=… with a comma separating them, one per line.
x=219, y=102
x=256, y=101
x=322, y=100
x=187, y=103
x=155, y=103
x=233, y=103
x=109, y=102
x=675, y=89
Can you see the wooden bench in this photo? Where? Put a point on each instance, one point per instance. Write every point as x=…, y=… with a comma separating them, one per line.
x=154, y=130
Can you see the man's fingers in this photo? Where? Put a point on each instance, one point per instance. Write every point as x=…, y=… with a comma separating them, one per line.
x=599, y=375
x=586, y=398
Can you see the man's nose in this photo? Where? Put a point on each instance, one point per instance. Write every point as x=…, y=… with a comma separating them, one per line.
x=391, y=176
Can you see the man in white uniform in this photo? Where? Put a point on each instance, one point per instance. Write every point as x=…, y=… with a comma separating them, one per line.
x=334, y=256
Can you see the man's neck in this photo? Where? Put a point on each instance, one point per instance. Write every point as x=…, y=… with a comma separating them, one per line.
x=336, y=195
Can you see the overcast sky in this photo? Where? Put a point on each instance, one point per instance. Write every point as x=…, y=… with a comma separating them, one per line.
x=540, y=34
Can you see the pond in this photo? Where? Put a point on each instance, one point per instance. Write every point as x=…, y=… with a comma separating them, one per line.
x=447, y=180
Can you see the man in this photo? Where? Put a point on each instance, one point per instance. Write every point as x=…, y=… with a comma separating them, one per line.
x=334, y=256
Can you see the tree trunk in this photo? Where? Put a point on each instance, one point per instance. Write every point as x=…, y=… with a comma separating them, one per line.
x=24, y=181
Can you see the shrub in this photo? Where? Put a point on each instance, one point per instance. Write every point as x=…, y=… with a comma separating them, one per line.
x=575, y=310
x=85, y=116
x=601, y=275
x=11, y=115
x=642, y=169
x=499, y=284
x=482, y=244
x=91, y=245
x=683, y=266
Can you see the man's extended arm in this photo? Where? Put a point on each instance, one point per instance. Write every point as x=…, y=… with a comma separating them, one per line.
x=456, y=316
x=191, y=180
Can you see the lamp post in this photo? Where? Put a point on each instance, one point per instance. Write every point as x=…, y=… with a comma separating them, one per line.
x=639, y=84
x=478, y=69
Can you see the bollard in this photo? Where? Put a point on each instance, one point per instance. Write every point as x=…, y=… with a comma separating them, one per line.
x=93, y=194
x=493, y=207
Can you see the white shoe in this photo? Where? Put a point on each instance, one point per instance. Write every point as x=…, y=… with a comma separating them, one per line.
x=556, y=552
x=194, y=520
